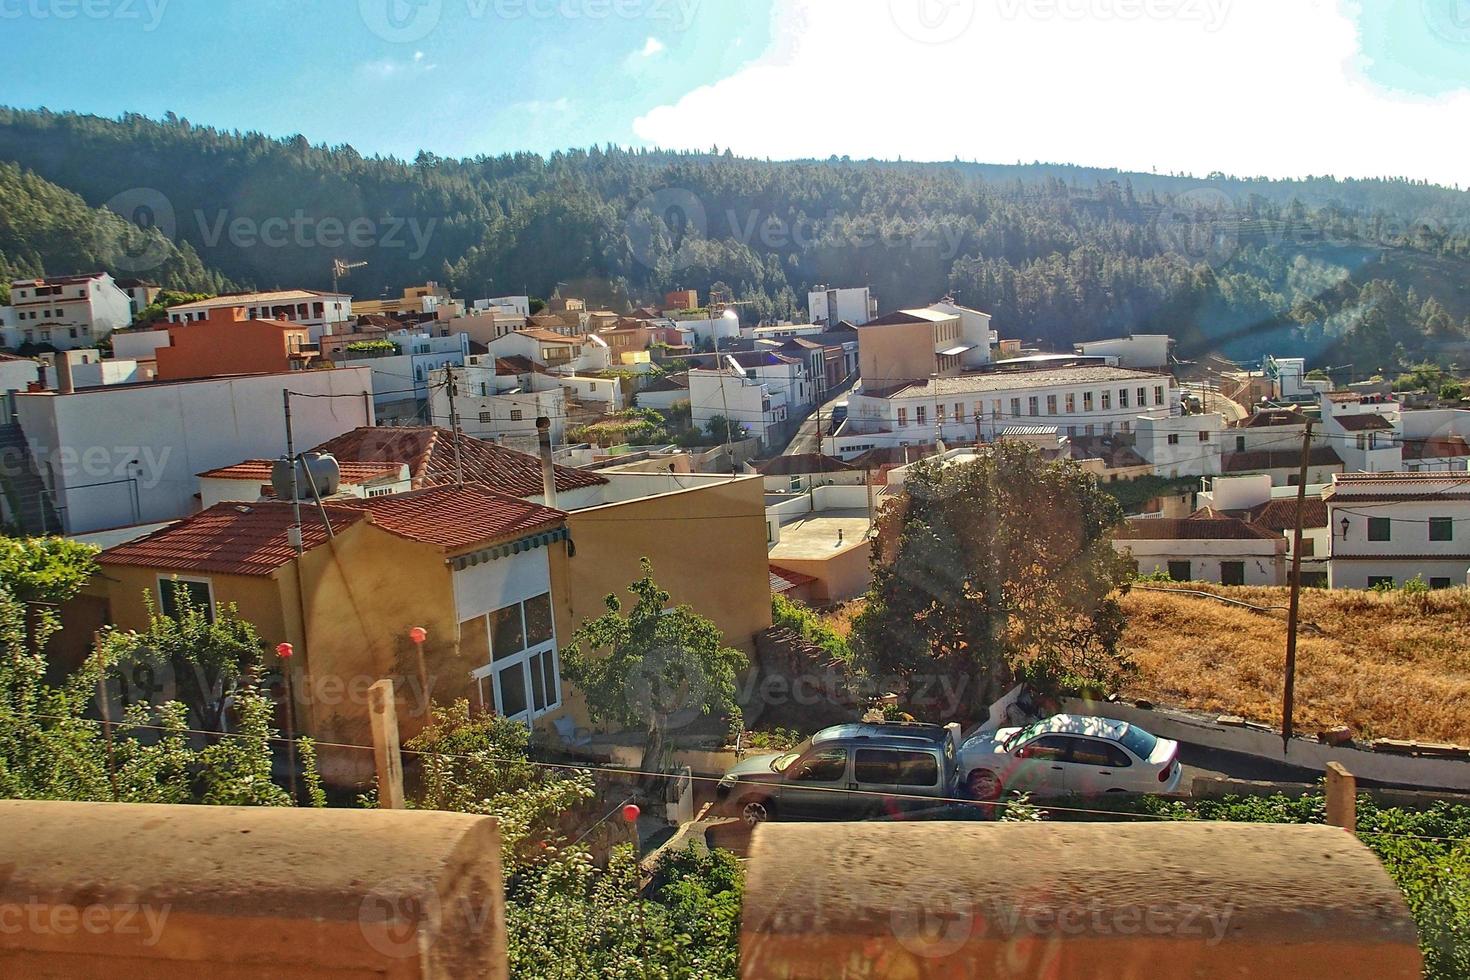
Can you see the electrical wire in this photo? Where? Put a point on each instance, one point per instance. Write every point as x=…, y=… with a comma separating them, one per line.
x=631, y=771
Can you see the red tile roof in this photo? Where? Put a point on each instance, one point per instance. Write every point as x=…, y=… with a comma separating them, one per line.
x=1192, y=529
x=429, y=453
x=1280, y=514
x=251, y=539
x=1255, y=460
x=1436, y=447
x=1362, y=423
x=784, y=579
x=259, y=470
x=229, y=539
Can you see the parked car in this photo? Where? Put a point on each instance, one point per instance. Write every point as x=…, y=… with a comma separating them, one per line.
x=1069, y=755
x=848, y=772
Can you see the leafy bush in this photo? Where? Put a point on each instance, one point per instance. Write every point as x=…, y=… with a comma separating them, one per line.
x=804, y=621
x=1452, y=391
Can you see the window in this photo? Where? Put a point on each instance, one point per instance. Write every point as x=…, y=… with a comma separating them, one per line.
x=1107, y=400
x=1309, y=547
x=1122, y=397
x=1015, y=407
x=1179, y=571
x=1094, y=752
x=1204, y=437
x=1054, y=747
x=1158, y=394
x=485, y=417
x=903, y=417
x=1051, y=404
x=921, y=415
x=1240, y=444
x=1173, y=438
x=1362, y=441
x=173, y=592
x=892, y=768
x=1125, y=426
x=1071, y=403
x=1232, y=573
x=1439, y=583
x=959, y=411
x=1380, y=529
x=1033, y=405
x=939, y=408
x=1087, y=402
x=1376, y=580
x=995, y=409
x=1142, y=397
x=1441, y=529
x=829, y=766
x=515, y=415
x=523, y=677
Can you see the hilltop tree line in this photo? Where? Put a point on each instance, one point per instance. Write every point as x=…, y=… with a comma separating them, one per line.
x=1367, y=271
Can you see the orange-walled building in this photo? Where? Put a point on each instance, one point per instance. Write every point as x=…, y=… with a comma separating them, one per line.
x=227, y=341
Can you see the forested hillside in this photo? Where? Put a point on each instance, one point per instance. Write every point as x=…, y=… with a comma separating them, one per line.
x=1362, y=271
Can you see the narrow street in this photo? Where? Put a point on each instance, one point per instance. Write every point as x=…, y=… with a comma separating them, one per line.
x=805, y=439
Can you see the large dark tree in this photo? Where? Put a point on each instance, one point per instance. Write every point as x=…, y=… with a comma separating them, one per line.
x=989, y=571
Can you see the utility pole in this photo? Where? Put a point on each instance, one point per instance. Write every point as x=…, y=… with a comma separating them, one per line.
x=295, y=533
x=1289, y=692
x=451, y=386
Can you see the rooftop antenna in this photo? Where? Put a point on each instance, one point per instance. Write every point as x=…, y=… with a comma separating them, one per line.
x=341, y=269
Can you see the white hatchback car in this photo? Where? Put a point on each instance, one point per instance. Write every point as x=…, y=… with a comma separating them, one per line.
x=1069, y=754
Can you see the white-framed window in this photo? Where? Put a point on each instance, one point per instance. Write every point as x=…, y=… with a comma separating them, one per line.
x=171, y=588
x=485, y=417
x=515, y=415
x=522, y=681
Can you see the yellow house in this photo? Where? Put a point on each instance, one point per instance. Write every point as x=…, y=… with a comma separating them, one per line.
x=470, y=566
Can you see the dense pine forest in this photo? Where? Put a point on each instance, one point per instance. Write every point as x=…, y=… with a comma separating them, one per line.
x=1370, y=272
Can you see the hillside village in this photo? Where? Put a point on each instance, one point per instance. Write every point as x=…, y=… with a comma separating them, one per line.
x=332, y=471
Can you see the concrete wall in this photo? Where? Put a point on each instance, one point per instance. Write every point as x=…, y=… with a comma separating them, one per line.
x=895, y=352
x=1138, y=351
x=158, y=890
x=1264, y=561
x=161, y=435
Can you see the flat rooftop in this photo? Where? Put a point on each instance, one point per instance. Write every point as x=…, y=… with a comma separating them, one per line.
x=815, y=537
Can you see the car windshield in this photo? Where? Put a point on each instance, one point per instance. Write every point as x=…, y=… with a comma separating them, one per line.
x=1025, y=734
x=1138, y=741
x=782, y=762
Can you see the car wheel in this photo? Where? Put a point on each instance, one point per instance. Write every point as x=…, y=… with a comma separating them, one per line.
x=984, y=785
x=755, y=811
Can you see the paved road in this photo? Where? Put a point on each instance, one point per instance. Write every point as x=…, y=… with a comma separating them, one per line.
x=805, y=439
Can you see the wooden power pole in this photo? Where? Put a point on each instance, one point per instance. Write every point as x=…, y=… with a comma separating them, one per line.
x=1289, y=691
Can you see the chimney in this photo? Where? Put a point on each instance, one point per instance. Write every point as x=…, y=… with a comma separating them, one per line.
x=64, y=385
x=548, y=469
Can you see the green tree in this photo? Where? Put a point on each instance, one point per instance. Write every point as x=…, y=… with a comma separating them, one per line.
x=990, y=571
x=49, y=570
x=652, y=665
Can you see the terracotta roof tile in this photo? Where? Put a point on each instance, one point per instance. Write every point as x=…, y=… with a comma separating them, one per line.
x=1362, y=423
x=784, y=579
x=1280, y=514
x=353, y=473
x=1255, y=460
x=1192, y=529
x=1436, y=447
x=429, y=453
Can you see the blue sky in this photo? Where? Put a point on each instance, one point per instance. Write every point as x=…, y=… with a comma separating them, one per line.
x=1274, y=87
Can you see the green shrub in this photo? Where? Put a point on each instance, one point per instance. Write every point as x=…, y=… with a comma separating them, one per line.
x=803, y=620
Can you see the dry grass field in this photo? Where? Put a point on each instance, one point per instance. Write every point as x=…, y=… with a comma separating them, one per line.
x=1388, y=665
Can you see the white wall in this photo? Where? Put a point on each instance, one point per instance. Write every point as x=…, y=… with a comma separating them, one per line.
x=490, y=585
x=1407, y=552
x=1263, y=564
x=140, y=345
x=15, y=375
x=156, y=437
x=853, y=304
x=1195, y=450
x=1144, y=350
x=742, y=401
x=607, y=392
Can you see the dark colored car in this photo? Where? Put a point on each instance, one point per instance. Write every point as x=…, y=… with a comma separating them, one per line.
x=847, y=772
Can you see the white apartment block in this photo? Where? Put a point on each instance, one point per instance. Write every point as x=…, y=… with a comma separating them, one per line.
x=405, y=375
x=130, y=453
x=1389, y=527
x=512, y=305
x=1364, y=431
x=323, y=313
x=855, y=304
x=1080, y=401
x=64, y=311
x=1180, y=445
x=749, y=404
x=500, y=408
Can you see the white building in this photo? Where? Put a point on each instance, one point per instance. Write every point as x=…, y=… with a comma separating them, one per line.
x=1364, y=430
x=749, y=404
x=664, y=393
x=140, y=345
x=128, y=454
x=709, y=329
x=974, y=330
x=513, y=305
x=854, y=304
x=1389, y=527
x=789, y=378
x=404, y=375
x=581, y=354
x=248, y=480
x=65, y=311
x=16, y=374
x=1081, y=401
x=1436, y=439
x=1254, y=499
x=1148, y=351
x=1204, y=547
x=1180, y=445
x=323, y=313
x=501, y=408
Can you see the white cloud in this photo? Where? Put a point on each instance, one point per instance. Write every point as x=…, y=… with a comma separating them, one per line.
x=1247, y=88
x=651, y=47
x=389, y=68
